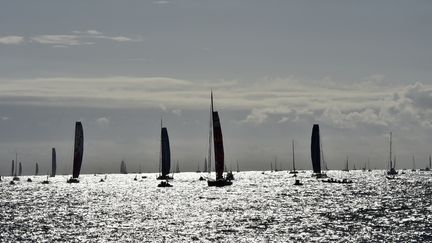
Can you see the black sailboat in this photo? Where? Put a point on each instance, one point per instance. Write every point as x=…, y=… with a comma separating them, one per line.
x=165, y=155
x=16, y=178
x=346, y=165
x=123, y=169
x=316, y=152
x=37, y=169
x=218, y=150
x=78, y=153
x=53, y=162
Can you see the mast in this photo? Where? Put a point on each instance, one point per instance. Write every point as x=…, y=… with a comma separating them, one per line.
x=53, y=162
x=210, y=133
x=390, y=157
x=315, y=149
x=78, y=149
x=293, y=157
x=160, y=150
x=413, y=162
x=205, y=165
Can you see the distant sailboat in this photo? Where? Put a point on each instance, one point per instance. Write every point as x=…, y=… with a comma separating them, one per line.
x=13, y=168
x=219, y=150
x=392, y=164
x=198, y=168
x=53, y=162
x=16, y=178
x=165, y=155
x=414, y=165
x=316, y=153
x=37, y=169
x=369, y=168
x=123, y=169
x=293, y=171
x=238, y=168
x=275, y=165
x=205, y=165
x=346, y=165
x=177, y=168
x=78, y=153
x=20, y=169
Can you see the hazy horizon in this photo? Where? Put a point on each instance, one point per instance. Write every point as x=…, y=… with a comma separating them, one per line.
x=359, y=69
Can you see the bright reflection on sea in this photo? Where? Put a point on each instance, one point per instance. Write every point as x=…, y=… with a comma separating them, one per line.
x=256, y=208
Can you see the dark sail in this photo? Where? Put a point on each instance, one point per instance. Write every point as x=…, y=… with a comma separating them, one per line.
x=315, y=149
x=37, y=169
x=78, y=149
x=166, y=152
x=20, y=169
x=123, y=169
x=13, y=168
x=218, y=146
x=53, y=162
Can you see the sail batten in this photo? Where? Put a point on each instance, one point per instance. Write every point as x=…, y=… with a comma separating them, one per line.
x=315, y=149
x=78, y=149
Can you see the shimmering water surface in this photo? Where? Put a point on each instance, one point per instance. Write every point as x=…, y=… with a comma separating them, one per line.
x=256, y=208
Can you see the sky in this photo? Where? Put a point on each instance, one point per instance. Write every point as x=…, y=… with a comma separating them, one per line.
x=359, y=69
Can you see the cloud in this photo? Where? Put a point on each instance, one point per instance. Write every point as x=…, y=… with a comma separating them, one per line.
x=66, y=40
x=103, y=121
x=11, y=40
x=272, y=101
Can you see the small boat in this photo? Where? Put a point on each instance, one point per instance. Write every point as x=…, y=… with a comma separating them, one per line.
x=144, y=177
x=78, y=153
x=12, y=182
x=46, y=181
x=391, y=177
x=293, y=159
x=343, y=181
x=218, y=150
x=230, y=176
x=29, y=180
x=164, y=184
x=201, y=178
x=102, y=180
x=136, y=178
x=298, y=183
x=165, y=156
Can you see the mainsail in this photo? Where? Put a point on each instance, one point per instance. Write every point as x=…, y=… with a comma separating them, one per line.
x=20, y=169
x=315, y=149
x=37, y=169
x=53, y=162
x=165, y=152
x=123, y=169
x=13, y=168
x=218, y=146
x=78, y=149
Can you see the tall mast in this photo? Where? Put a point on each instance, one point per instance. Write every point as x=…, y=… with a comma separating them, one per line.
x=210, y=133
x=293, y=155
x=16, y=164
x=390, y=158
x=160, y=151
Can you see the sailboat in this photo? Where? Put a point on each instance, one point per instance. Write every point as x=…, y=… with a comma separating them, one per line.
x=123, y=169
x=369, y=169
x=238, y=168
x=53, y=162
x=205, y=165
x=165, y=155
x=78, y=152
x=346, y=165
x=293, y=171
x=198, y=169
x=16, y=178
x=37, y=169
x=275, y=167
x=13, y=168
x=177, y=168
x=20, y=169
x=218, y=150
x=316, y=153
x=414, y=166
x=392, y=164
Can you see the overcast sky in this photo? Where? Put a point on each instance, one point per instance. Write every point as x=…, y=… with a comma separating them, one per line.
x=358, y=68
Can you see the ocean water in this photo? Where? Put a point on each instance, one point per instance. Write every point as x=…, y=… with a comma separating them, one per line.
x=256, y=208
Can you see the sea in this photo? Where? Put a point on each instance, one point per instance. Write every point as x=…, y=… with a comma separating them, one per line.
x=258, y=207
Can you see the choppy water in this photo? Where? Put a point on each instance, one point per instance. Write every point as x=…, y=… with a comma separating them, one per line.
x=256, y=208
